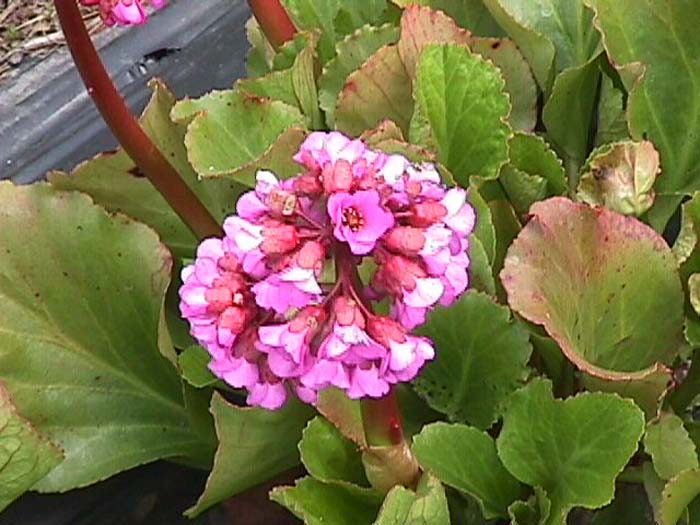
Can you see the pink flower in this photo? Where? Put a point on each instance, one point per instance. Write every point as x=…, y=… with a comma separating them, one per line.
x=359, y=219
x=123, y=12
x=293, y=287
x=253, y=298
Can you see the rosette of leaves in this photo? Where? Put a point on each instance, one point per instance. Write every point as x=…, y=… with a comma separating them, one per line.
x=565, y=384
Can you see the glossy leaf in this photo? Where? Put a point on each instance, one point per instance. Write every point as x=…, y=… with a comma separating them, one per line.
x=462, y=110
x=472, y=336
x=82, y=293
x=233, y=134
x=26, y=456
x=330, y=456
x=583, y=274
x=254, y=445
x=379, y=90
x=426, y=506
x=318, y=503
x=670, y=447
x=620, y=177
x=660, y=40
x=352, y=52
x=573, y=449
x=465, y=458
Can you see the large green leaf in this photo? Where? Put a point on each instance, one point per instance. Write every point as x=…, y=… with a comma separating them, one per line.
x=426, y=506
x=379, y=90
x=584, y=275
x=351, y=54
x=669, y=445
x=114, y=181
x=472, y=336
x=82, y=293
x=231, y=133
x=26, y=456
x=661, y=38
x=567, y=24
x=319, y=503
x=330, y=456
x=254, y=445
x=462, y=111
x=574, y=449
x=465, y=458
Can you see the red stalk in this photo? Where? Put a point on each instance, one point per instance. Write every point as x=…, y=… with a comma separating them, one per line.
x=127, y=129
x=273, y=20
x=381, y=418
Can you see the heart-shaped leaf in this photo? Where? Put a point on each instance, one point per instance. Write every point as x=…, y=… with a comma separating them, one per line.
x=583, y=274
x=465, y=458
x=472, y=336
x=574, y=449
x=82, y=293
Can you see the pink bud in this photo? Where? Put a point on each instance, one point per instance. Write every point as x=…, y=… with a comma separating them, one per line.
x=337, y=177
x=405, y=239
x=311, y=256
x=279, y=238
x=426, y=213
x=347, y=312
x=385, y=330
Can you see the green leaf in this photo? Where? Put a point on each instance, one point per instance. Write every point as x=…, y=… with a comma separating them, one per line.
x=465, y=458
x=669, y=445
x=316, y=14
x=523, y=189
x=304, y=82
x=328, y=455
x=629, y=506
x=484, y=229
x=427, y=506
x=534, y=511
x=379, y=90
x=114, y=181
x=26, y=456
x=678, y=494
x=471, y=336
x=567, y=24
x=620, y=176
x=535, y=47
x=260, y=55
x=532, y=155
x=480, y=272
x=233, y=134
x=276, y=85
x=353, y=14
x=464, y=108
x=82, y=293
x=343, y=412
x=351, y=54
x=583, y=274
x=574, y=449
x=193, y=364
x=661, y=39
x=519, y=82
x=612, y=120
x=318, y=503
x=567, y=115
x=469, y=14
x=254, y=445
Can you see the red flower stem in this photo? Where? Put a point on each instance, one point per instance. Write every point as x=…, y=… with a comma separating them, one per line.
x=273, y=20
x=381, y=418
x=127, y=129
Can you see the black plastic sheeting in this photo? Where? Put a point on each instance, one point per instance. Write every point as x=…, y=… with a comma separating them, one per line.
x=47, y=119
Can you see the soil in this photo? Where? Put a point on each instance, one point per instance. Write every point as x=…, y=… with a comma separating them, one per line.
x=29, y=31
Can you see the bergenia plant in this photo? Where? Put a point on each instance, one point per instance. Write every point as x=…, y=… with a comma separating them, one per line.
x=438, y=259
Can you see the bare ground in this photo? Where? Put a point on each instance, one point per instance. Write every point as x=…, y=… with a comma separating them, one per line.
x=29, y=30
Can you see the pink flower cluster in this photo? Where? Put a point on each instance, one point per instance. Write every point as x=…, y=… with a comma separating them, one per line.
x=286, y=300
x=123, y=12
